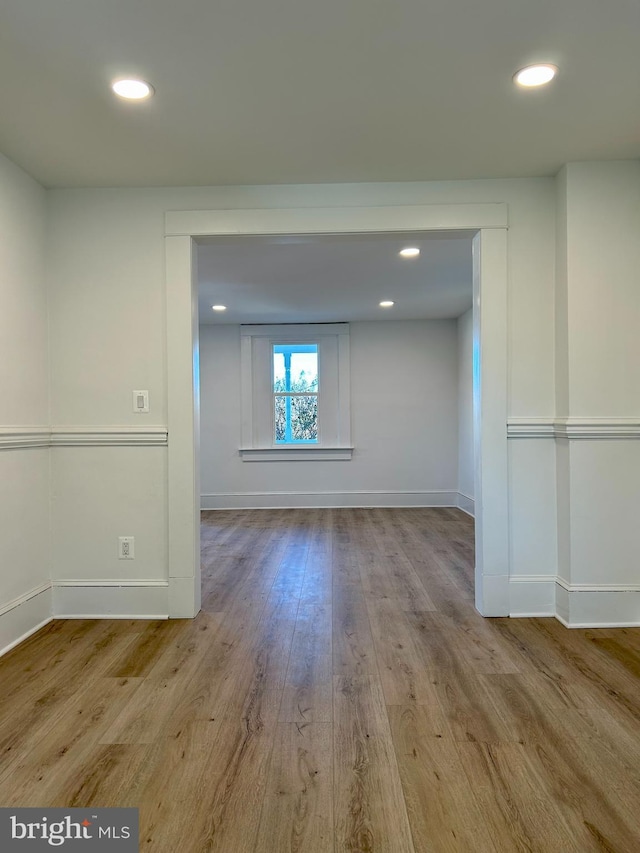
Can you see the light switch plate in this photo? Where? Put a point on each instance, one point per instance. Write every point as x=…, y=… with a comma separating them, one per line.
x=140, y=401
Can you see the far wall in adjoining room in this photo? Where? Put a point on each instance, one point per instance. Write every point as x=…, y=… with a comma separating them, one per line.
x=405, y=399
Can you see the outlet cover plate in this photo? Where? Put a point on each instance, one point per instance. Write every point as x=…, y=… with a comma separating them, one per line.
x=126, y=547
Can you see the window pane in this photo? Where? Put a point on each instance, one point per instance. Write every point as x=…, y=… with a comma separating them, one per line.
x=281, y=418
x=304, y=371
x=278, y=371
x=304, y=418
x=295, y=368
x=296, y=418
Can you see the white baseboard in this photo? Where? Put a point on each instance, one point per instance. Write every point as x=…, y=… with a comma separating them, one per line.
x=576, y=606
x=595, y=606
x=24, y=616
x=326, y=499
x=108, y=599
x=467, y=504
x=532, y=596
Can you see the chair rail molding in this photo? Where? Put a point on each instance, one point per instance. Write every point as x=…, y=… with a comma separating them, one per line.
x=23, y=437
x=574, y=428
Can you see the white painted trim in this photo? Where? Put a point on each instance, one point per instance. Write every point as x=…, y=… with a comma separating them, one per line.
x=22, y=599
x=597, y=587
x=108, y=436
x=24, y=615
x=295, y=454
x=336, y=220
x=488, y=222
x=532, y=595
x=592, y=606
x=110, y=600
x=18, y=438
x=531, y=428
x=12, y=645
x=147, y=616
x=534, y=614
x=597, y=428
x=183, y=410
x=326, y=499
x=466, y=504
x=575, y=605
x=21, y=437
x=606, y=429
x=490, y=383
x=533, y=579
x=109, y=582
x=334, y=420
x=295, y=332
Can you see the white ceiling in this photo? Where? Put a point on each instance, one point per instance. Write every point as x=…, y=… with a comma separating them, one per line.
x=302, y=91
x=334, y=278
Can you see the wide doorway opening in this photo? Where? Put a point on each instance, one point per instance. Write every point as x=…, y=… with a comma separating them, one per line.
x=380, y=354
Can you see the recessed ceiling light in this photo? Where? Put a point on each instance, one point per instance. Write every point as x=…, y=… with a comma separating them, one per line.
x=387, y=304
x=219, y=307
x=535, y=75
x=410, y=252
x=132, y=90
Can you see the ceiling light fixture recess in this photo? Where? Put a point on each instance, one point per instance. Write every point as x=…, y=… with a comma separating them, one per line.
x=132, y=90
x=219, y=307
x=535, y=75
x=410, y=252
x=387, y=303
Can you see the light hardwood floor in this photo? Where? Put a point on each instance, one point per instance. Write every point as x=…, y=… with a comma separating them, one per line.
x=338, y=692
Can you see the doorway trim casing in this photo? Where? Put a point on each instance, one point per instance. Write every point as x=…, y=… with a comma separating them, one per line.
x=488, y=223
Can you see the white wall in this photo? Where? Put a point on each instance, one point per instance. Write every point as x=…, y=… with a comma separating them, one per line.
x=465, y=411
x=403, y=416
x=106, y=268
x=24, y=470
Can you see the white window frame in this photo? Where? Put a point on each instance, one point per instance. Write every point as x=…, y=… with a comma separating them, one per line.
x=334, y=417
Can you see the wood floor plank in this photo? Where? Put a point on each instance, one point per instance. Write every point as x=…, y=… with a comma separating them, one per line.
x=386, y=571
x=459, y=688
x=297, y=811
x=308, y=691
x=369, y=808
x=216, y=798
x=42, y=702
x=404, y=677
x=147, y=716
x=520, y=812
x=70, y=741
x=317, y=587
x=353, y=650
x=444, y=814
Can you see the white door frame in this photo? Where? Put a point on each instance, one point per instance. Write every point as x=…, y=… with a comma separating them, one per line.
x=488, y=222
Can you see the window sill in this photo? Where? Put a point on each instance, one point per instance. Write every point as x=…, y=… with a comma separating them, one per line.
x=295, y=454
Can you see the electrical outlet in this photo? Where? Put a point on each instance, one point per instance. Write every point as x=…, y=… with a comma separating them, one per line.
x=126, y=547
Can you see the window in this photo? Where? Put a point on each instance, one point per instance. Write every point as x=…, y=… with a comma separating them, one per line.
x=295, y=392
